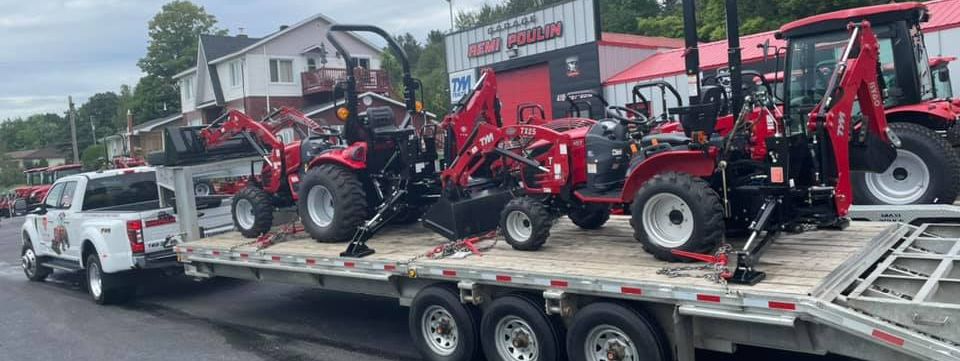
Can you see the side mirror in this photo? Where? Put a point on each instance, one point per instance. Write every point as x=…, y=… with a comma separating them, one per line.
x=943, y=76
x=41, y=210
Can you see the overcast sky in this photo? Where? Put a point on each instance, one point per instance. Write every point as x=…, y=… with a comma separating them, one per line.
x=50, y=49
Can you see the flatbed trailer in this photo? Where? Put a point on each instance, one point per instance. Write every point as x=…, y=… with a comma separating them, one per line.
x=876, y=291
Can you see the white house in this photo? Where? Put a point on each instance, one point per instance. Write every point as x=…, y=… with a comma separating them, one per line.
x=295, y=66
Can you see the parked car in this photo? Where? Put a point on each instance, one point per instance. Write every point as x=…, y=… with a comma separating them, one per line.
x=109, y=225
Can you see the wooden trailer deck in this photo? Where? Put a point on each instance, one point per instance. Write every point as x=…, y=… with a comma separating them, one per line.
x=796, y=264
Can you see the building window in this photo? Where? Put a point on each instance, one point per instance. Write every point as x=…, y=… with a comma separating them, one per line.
x=281, y=71
x=363, y=63
x=236, y=73
x=187, y=88
x=311, y=64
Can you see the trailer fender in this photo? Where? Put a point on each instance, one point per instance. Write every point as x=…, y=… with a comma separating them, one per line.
x=694, y=162
x=353, y=157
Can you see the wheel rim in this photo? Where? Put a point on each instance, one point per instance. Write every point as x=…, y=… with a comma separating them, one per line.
x=609, y=343
x=244, y=214
x=904, y=182
x=439, y=330
x=516, y=340
x=29, y=262
x=201, y=189
x=668, y=220
x=95, y=280
x=519, y=226
x=320, y=206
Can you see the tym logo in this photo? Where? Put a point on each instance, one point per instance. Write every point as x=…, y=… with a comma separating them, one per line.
x=460, y=86
x=487, y=139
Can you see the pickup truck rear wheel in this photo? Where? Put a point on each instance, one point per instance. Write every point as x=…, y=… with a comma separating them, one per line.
x=31, y=264
x=104, y=287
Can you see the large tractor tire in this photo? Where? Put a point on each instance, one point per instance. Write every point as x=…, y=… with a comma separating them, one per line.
x=332, y=203
x=252, y=211
x=676, y=211
x=926, y=171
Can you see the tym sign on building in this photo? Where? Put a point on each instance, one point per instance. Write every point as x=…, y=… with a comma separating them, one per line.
x=556, y=27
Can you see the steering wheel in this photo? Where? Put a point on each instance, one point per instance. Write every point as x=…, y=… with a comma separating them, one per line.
x=616, y=112
x=824, y=70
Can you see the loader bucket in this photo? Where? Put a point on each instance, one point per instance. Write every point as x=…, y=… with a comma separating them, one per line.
x=467, y=217
x=183, y=146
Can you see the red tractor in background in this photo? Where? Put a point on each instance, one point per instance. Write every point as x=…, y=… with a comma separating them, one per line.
x=39, y=181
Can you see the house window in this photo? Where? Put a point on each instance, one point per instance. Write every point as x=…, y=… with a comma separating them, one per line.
x=187, y=88
x=363, y=63
x=311, y=64
x=281, y=71
x=236, y=73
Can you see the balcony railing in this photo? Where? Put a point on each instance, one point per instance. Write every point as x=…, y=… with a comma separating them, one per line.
x=324, y=80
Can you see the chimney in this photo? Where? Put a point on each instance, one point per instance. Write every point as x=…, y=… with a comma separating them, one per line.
x=284, y=27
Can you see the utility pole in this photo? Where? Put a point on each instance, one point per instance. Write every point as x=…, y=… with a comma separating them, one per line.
x=73, y=131
x=93, y=129
x=450, y=2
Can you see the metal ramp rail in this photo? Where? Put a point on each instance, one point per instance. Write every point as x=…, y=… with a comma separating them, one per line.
x=908, y=299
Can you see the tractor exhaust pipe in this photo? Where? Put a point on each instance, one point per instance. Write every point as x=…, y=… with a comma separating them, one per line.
x=692, y=51
x=734, y=58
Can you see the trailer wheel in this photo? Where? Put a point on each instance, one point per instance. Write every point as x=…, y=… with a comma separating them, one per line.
x=332, y=203
x=443, y=329
x=607, y=331
x=102, y=286
x=203, y=188
x=589, y=216
x=252, y=211
x=925, y=171
x=676, y=211
x=515, y=328
x=31, y=264
x=525, y=223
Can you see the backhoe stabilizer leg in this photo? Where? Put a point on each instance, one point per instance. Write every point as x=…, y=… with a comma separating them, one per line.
x=388, y=209
x=753, y=249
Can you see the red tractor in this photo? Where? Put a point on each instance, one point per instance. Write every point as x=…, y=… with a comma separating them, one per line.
x=685, y=190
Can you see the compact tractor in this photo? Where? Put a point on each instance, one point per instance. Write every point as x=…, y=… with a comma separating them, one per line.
x=346, y=184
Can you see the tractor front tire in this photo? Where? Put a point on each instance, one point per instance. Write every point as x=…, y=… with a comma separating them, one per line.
x=252, y=211
x=589, y=216
x=925, y=171
x=677, y=211
x=332, y=203
x=525, y=223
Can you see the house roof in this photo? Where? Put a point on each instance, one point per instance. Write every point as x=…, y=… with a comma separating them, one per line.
x=640, y=41
x=943, y=14
x=215, y=46
x=320, y=108
x=154, y=123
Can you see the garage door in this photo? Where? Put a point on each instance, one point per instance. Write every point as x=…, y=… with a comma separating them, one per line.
x=526, y=85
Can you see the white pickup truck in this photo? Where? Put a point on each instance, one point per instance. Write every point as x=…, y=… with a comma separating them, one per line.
x=110, y=225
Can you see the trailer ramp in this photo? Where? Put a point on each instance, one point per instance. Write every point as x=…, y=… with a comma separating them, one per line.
x=911, y=285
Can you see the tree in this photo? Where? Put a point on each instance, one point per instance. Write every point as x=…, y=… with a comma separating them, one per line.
x=93, y=156
x=505, y=9
x=620, y=16
x=174, y=34
x=101, y=111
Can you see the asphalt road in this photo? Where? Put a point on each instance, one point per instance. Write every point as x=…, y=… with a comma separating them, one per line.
x=175, y=318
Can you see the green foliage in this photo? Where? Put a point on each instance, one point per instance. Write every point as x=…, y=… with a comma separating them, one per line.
x=172, y=48
x=100, y=110
x=430, y=67
x=620, y=16
x=10, y=173
x=507, y=8
x=36, y=131
x=93, y=156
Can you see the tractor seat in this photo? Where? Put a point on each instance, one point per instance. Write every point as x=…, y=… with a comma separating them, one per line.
x=383, y=122
x=673, y=139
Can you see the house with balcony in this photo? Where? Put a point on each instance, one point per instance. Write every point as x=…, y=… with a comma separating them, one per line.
x=295, y=66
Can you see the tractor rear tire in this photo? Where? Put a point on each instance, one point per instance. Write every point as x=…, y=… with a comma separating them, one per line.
x=677, y=211
x=589, y=216
x=252, y=211
x=332, y=203
x=925, y=172
x=525, y=223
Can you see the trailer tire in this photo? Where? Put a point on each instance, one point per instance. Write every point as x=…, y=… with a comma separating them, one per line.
x=925, y=171
x=676, y=211
x=30, y=263
x=203, y=188
x=599, y=326
x=338, y=204
x=525, y=223
x=103, y=287
x=442, y=328
x=514, y=327
x=589, y=216
x=252, y=211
